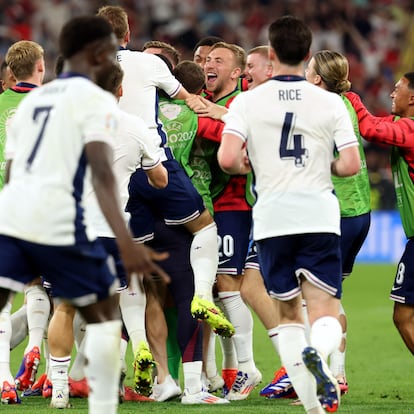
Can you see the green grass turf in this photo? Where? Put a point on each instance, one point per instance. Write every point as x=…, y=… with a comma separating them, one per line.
x=380, y=369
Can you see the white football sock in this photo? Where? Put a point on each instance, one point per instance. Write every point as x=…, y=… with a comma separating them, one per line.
x=5, y=336
x=192, y=376
x=326, y=334
x=292, y=342
x=204, y=260
x=77, y=370
x=19, y=326
x=210, y=359
x=229, y=359
x=59, y=368
x=132, y=302
x=38, y=311
x=337, y=358
x=242, y=320
x=123, y=346
x=274, y=338
x=104, y=366
x=306, y=320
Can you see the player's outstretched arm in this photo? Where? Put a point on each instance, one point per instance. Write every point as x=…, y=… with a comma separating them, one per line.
x=382, y=129
x=136, y=258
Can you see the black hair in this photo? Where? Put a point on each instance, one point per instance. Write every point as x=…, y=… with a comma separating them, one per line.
x=410, y=77
x=110, y=78
x=207, y=41
x=81, y=31
x=291, y=39
x=59, y=62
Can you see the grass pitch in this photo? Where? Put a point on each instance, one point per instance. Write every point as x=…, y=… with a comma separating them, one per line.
x=380, y=370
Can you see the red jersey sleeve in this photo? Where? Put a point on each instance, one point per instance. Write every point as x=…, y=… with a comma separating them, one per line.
x=382, y=129
x=210, y=129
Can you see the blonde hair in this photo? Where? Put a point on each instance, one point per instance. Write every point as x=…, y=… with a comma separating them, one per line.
x=167, y=50
x=21, y=58
x=239, y=53
x=333, y=68
x=118, y=19
x=260, y=50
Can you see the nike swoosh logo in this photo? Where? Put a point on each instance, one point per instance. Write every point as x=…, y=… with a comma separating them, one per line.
x=396, y=288
x=223, y=261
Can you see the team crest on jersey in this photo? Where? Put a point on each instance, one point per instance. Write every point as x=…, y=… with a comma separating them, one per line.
x=170, y=111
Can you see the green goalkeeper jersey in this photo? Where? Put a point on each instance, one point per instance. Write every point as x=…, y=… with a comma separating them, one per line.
x=354, y=192
x=9, y=100
x=193, y=153
x=404, y=189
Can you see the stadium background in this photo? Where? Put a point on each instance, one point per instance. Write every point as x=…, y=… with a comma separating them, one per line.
x=374, y=35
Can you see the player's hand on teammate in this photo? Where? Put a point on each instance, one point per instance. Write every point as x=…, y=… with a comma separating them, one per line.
x=205, y=108
x=140, y=259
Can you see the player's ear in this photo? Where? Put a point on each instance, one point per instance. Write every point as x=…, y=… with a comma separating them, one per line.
x=236, y=73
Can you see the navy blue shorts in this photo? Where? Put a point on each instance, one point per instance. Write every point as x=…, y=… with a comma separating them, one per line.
x=403, y=289
x=354, y=231
x=111, y=248
x=177, y=203
x=316, y=256
x=77, y=273
x=233, y=229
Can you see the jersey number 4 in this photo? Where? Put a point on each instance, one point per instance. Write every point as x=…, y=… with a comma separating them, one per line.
x=292, y=146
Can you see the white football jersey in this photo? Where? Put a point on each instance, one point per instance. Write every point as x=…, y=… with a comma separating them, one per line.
x=291, y=128
x=43, y=201
x=143, y=74
x=133, y=148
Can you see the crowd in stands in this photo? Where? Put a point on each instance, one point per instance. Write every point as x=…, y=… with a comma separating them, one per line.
x=373, y=34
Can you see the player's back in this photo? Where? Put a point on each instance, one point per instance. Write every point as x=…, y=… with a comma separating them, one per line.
x=291, y=130
x=294, y=132
x=143, y=73
x=49, y=168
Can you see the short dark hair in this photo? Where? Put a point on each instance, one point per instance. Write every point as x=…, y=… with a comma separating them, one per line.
x=81, y=31
x=208, y=41
x=59, y=63
x=291, y=39
x=110, y=78
x=190, y=75
x=410, y=77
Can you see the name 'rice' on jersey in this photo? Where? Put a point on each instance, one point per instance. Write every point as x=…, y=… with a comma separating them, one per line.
x=43, y=201
x=291, y=128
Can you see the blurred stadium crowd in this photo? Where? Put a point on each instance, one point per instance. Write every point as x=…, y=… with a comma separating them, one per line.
x=375, y=36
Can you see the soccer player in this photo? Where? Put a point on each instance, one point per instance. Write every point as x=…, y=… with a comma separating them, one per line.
x=25, y=60
x=42, y=223
x=188, y=138
x=202, y=49
x=329, y=70
x=258, y=66
x=179, y=203
x=232, y=200
x=298, y=247
x=396, y=130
